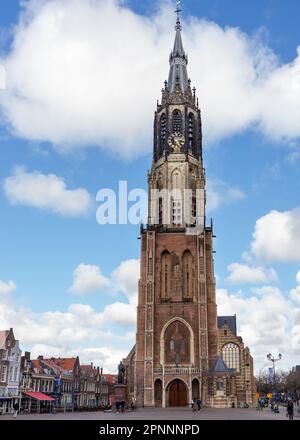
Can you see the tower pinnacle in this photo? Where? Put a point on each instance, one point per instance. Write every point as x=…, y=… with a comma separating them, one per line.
x=178, y=59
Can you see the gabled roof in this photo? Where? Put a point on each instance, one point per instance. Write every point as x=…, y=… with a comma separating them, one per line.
x=3, y=336
x=50, y=363
x=230, y=321
x=66, y=364
x=220, y=366
x=36, y=364
x=89, y=370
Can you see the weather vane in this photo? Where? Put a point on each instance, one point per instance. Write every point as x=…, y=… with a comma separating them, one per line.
x=178, y=10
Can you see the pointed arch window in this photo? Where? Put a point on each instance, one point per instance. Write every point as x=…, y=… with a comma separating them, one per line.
x=177, y=123
x=166, y=278
x=177, y=341
x=220, y=385
x=191, y=131
x=231, y=356
x=163, y=130
x=187, y=262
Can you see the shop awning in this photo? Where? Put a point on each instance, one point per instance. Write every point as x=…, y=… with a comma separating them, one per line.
x=39, y=396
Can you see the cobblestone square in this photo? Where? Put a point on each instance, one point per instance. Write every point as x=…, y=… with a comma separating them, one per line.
x=178, y=414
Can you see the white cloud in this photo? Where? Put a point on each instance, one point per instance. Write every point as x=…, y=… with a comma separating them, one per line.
x=220, y=193
x=295, y=293
x=88, y=278
x=87, y=73
x=277, y=236
x=244, y=274
x=121, y=313
x=268, y=321
x=125, y=279
x=80, y=330
x=46, y=192
x=6, y=288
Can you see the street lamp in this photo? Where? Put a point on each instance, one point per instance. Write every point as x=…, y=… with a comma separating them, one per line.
x=273, y=360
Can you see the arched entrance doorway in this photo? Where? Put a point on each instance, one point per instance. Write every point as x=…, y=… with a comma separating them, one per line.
x=177, y=393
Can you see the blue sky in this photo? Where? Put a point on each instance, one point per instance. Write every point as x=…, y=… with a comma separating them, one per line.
x=40, y=250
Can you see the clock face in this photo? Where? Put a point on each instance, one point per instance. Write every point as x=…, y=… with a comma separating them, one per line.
x=176, y=142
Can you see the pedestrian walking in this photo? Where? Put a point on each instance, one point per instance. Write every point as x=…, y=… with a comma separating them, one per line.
x=133, y=404
x=199, y=403
x=290, y=410
x=16, y=409
x=118, y=406
x=122, y=406
x=193, y=405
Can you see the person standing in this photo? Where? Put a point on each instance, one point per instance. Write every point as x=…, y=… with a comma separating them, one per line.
x=16, y=409
x=290, y=410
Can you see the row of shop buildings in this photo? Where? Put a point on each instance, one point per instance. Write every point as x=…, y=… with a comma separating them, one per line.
x=49, y=384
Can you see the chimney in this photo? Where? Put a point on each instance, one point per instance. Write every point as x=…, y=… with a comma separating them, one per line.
x=27, y=355
x=40, y=358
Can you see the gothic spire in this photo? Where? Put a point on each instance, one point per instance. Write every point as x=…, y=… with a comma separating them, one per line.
x=178, y=59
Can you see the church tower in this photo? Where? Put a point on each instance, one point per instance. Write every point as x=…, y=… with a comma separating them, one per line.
x=177, y=357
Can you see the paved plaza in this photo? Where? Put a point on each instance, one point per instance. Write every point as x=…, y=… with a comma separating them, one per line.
x=178, y=414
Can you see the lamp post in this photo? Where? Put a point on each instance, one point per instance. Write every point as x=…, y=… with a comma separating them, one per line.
x=273, y=360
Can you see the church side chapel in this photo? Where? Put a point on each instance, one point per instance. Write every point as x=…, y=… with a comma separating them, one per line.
x=183, y=350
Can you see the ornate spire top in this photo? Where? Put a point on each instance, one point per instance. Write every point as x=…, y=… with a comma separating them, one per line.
x=178, y=26
x=178, y=59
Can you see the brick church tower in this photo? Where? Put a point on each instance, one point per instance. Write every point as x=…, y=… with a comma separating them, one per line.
x=178, y=355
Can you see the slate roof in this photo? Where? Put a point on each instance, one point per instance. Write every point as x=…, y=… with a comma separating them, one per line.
x=230, y=321
x=178, y=64
x=220, y=366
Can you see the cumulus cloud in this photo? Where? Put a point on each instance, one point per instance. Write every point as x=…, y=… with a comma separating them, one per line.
x=277, y=236
x=88, y=278
x=268, y=321
x=101, y=336
x=220, y=193
x=79, y=330
x=295, y=293
x=46, y=192
x=121, y=313
x=244, y=274
x=125, y=279
x=87, y=73
x=6, y=288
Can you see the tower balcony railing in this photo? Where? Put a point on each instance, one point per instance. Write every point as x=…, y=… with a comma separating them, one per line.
x=181, y=369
